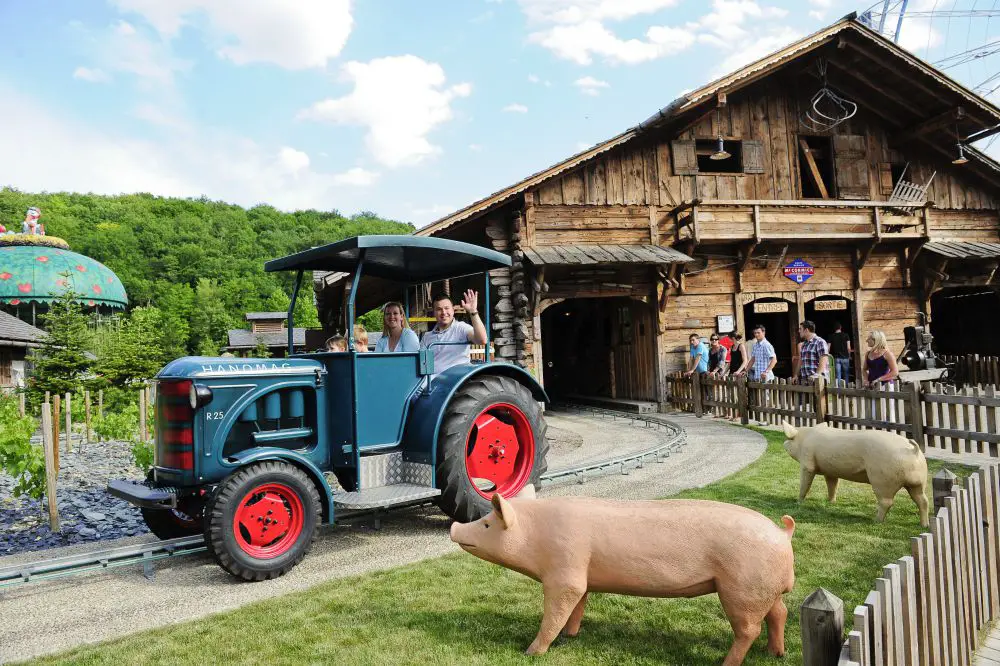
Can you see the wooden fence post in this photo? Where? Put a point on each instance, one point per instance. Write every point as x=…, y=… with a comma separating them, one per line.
x=69, y=423
x=820, y=386
x=142, y=415
x=915, y=416
x=100, y=408
x=743, y=399
x=51, y=448
x=696, y=391
x=943, y=482
x=86, y=407
x=821, y=617
x=22, y=406
x=55, y=425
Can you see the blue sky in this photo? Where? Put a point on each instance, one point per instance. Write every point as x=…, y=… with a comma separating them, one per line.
x=408, y=108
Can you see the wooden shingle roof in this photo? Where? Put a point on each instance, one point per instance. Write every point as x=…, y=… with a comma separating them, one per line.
x=964, y=249
x=16, y=333
x=603, y=254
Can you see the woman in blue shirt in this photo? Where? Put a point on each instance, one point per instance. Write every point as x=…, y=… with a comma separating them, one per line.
x=397, y=336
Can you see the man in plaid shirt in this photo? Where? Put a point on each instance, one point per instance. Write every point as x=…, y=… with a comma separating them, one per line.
x=813, y=360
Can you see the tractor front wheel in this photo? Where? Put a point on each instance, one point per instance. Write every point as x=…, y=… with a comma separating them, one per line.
x=492, y=441
x=262, y=520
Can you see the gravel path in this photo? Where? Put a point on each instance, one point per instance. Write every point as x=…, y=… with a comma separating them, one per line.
x=52, y=616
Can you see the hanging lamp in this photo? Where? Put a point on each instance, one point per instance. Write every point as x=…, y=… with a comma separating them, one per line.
x=720, y=151
x=961, y=159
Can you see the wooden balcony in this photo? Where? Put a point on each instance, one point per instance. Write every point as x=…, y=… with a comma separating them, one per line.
x=808, y=221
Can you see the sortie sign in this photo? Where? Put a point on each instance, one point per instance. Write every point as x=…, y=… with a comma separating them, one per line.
x=799, y=271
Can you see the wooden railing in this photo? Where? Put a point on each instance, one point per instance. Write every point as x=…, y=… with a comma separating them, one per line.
x=928, y=607
x=724, y=220
x=934, y=415
x=974, y=369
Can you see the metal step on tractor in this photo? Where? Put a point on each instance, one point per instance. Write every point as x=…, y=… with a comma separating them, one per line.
x=243, y=445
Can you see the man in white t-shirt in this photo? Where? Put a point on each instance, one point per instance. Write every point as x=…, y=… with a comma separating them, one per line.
x=448, y=330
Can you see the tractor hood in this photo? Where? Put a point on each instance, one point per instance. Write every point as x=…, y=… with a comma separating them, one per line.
x=206, y=367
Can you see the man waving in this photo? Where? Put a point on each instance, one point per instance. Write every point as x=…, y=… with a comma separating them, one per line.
x=450, y=339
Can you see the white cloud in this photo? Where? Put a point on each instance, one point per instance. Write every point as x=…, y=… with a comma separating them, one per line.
x=821, y=6
x=515, y=108
x=357, y=177
x=56, y=153
x=91, y=75
x=292, y=35
x=754, y=48
x=582, y=146
x=726, y=23
x=532, y=78
x=578, y=11
x=400, y=99
x=588, y=85
x=292, y=161
x=579, y=42
x=123, y=48
x=475, y=147
x=423, y=216
x=155, y=114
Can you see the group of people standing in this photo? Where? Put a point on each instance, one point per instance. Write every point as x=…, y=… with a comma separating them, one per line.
x=728, y=354
x=448, y=341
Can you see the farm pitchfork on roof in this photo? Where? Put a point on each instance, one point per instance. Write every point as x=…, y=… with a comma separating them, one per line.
x=450, y=338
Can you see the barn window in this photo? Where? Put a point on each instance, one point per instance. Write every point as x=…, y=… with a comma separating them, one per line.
x=816, y=172
x=705, y=149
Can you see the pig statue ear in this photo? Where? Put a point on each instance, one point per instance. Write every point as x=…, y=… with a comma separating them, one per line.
x=790, y=430
x=528, y=492
x=504, y=511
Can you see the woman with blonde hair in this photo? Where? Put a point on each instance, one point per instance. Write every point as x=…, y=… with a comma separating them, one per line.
x=360, y=338
x=880, y=363
x=397, y=336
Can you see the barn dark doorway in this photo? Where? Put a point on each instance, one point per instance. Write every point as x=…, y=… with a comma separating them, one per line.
x=828, y=311
x=600, y=347
x=776, y=315
x=966, y=320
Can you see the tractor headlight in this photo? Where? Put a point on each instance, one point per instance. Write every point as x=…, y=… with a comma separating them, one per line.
x=199, y=396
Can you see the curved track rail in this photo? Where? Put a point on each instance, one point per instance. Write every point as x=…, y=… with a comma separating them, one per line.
x=148, y=553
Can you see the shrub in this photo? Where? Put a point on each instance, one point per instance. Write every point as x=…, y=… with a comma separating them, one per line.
x=19, y=458
x=120, y=422
x=142, y=455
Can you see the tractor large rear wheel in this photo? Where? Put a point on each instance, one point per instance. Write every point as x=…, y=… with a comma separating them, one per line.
x=262, y=520
x=492, y=441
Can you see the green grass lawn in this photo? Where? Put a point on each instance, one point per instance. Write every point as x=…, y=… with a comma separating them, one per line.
x=460, y=610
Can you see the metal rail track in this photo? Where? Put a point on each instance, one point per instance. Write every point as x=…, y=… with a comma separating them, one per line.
x=146, y=554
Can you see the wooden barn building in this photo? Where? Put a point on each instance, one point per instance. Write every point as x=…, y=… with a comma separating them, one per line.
x=845, y=189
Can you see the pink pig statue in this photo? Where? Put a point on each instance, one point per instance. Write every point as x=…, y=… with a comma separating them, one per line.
x=667, y=548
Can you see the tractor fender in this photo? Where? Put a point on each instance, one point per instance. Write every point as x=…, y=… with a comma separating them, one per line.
x=273, y=453
x=428, y=406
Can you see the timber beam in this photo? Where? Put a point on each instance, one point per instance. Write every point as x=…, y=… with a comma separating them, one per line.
x=982, y=134
x=937, y=122
x=720, y=101
x=865, y=253
x=683, y=206
x=781, y=260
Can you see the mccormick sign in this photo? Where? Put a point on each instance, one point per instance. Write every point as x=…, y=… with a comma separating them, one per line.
x=799, y=271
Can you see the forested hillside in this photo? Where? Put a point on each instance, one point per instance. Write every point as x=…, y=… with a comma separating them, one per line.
x=199, y=261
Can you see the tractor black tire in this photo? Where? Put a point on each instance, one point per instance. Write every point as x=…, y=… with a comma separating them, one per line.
x=347, y=478
x=186, y=520
x=221, y=510
x=459, y=497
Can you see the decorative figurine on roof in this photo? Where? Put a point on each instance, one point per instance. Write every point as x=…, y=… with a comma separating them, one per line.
x=32, y=224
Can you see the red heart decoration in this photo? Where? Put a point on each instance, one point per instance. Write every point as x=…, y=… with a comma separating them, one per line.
x=81, y=268
x=15, y=301
x=24, y=287
x=96, y=288
x=5, y=276
x=42, y=259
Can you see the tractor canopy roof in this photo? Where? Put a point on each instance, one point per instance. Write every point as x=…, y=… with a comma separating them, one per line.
x=410, y=259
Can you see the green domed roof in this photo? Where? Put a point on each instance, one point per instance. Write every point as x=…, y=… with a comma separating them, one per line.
x=34, y=273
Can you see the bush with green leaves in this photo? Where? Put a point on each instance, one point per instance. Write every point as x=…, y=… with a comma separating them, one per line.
x=120, y=423
x=142, y=455
x=19, y=458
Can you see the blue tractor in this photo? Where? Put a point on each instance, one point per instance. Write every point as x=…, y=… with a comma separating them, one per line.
x=244, y=446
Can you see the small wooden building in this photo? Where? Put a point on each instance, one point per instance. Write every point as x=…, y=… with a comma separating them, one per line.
x=16, y=339
x=269, y=329
x=621, y=251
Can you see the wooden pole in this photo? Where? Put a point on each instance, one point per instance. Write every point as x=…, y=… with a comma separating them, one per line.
x=821, y=618
x=86, y=408
x=55, y=426
x=942, y=483
x=21, y=404
x=820, y=387
x=100, y=406
x=142, y=415
x=69, y=423
x=51, y=449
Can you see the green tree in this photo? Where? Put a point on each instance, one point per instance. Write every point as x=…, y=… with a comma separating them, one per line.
x=261, y=350
x=61, y=361
x=136, y=352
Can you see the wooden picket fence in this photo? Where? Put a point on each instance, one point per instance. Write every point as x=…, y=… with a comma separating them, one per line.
x=974, y=369
x=928, y=608
x=937, y=416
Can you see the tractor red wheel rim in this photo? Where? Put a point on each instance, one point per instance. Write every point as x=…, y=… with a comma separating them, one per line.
x=500, y=451
x=268, y=521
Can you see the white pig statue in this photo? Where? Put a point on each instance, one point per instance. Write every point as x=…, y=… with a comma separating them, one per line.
x=667, y=548
x=885, y=460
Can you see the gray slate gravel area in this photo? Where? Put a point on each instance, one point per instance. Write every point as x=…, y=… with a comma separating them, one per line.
x=56, y=615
